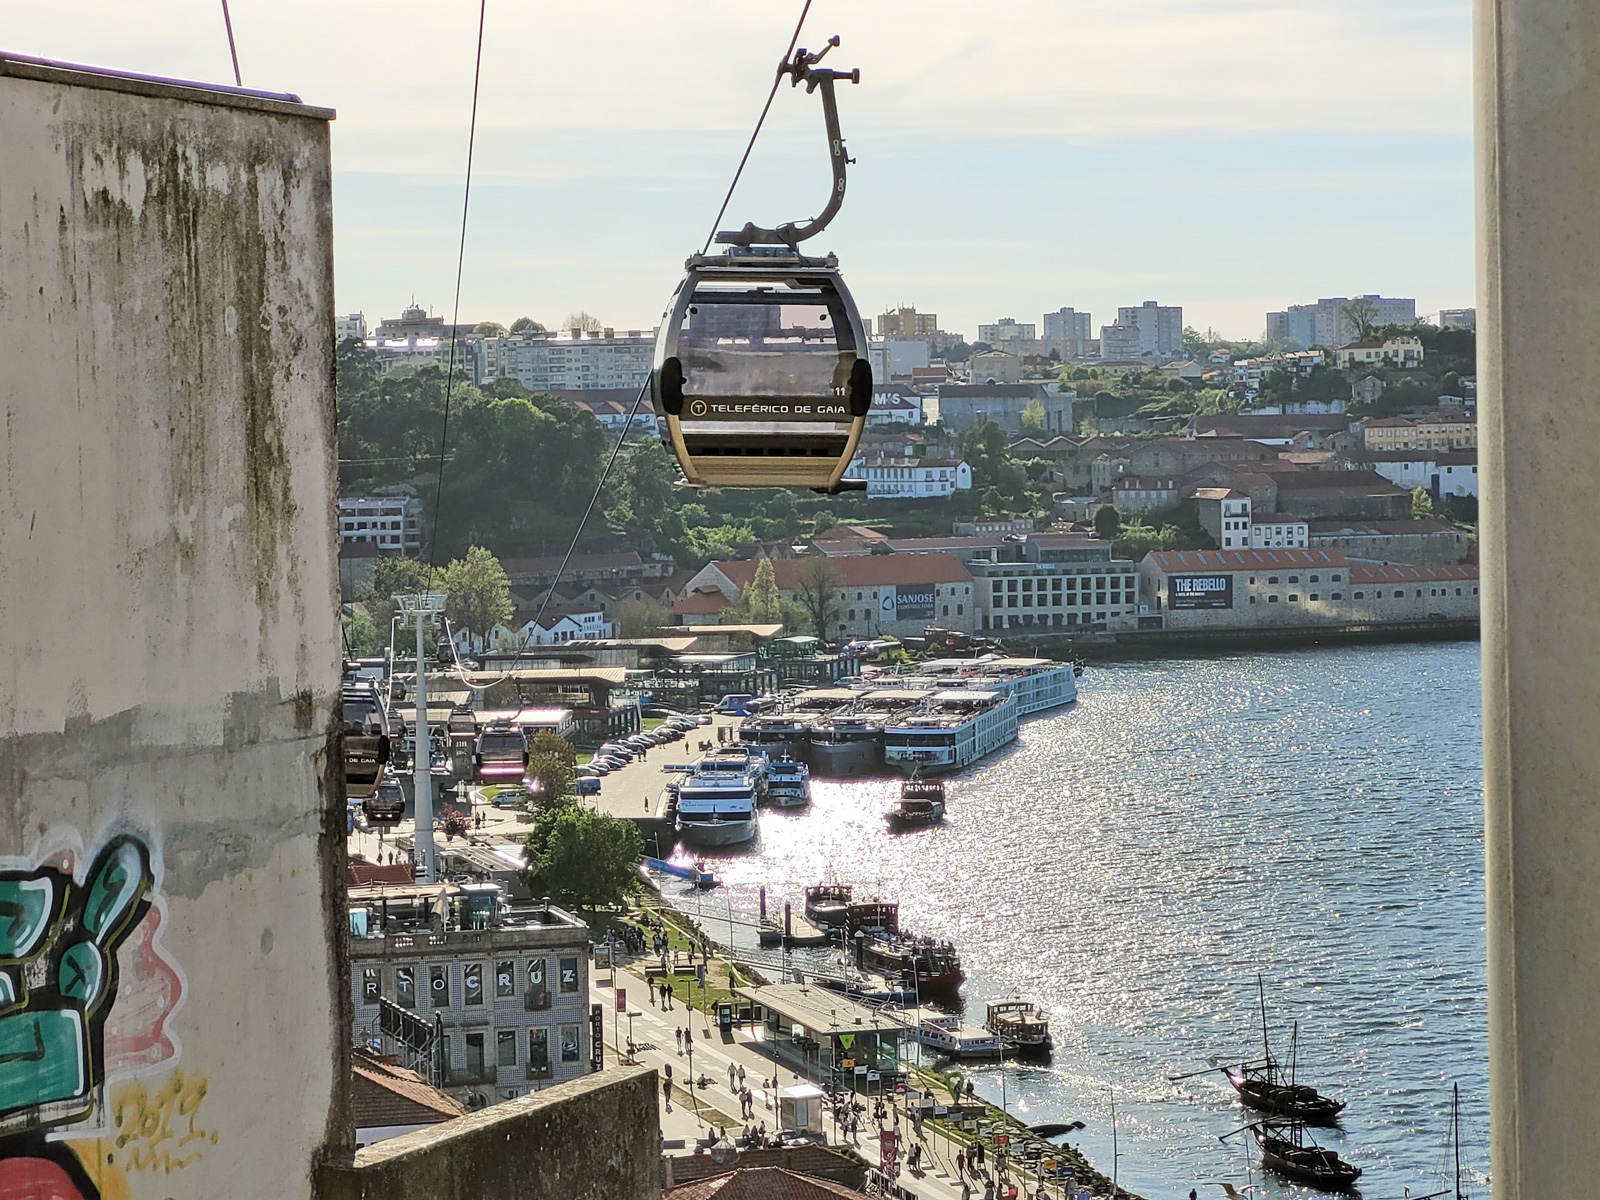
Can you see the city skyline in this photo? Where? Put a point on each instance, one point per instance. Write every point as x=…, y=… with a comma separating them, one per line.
x=1073, y=157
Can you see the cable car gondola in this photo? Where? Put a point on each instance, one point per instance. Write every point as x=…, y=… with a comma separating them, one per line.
x=761, y=376
x=366, y=739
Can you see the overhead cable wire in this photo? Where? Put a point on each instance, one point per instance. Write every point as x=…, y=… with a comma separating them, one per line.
x=233, y=50
x=754, y=133
x=455, y=312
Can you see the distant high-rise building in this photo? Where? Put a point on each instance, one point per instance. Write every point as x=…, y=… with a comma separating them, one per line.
x=1458, y=318
x=1010, y=335
x=1326, y=323
x=353, y=326
x=907, y=323
x=1160, y=328
x=573, y=360
x=1119, y=341
x=1068, y=332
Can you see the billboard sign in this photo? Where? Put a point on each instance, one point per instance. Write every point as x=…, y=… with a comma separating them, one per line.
x=906, y=602
x=1199, y=591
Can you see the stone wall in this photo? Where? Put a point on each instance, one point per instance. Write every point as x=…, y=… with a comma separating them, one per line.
x=171, y=821
x=597, y=1138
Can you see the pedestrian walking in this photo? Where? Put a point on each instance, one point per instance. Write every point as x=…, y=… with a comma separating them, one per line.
x=733, y=1078
x=666, y=1093
x=741, y=1075
x=961, y=1162
x=678, y=1034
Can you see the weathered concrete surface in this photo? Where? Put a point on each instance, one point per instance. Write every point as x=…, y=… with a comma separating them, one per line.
x=596, y=1138
x=169, y=669
x=1538, y=106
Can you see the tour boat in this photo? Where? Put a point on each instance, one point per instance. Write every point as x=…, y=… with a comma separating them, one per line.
x=717, y=809
x=921, y=804
x=1266, y=1086
x=788, y=784
x=846, y=744
x=950, y=1037
x=951, y=730
x=1284, y=1150
x=778, y=735
x=930, y=968
x=1020, y=1025
x=828, y=904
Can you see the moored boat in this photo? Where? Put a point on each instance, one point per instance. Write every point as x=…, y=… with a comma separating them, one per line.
x=828, y=904
x=788, y=784
x=1020, y=1026
x=951, y=730
x=846, y=744
x=947, y=1035
x=1266, y=1086
x=1284, y=1150
x=717, y=809
x=778, y=735
x=929, y=968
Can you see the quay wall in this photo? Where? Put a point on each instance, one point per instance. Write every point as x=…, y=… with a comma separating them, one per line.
x=1157, y=643
x=171, y=814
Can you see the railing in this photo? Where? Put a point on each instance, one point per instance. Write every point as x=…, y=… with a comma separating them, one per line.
x=457, y=1076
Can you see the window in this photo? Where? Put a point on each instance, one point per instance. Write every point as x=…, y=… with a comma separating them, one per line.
x=1252, y=579
x=569, y=974
x=1338, y=595
x=1335, y=578
x=505, y=1048
x=505, y=978
x=1360, y=595
x=1272, y=579
x=569, y=1043
x=538, y=1054
x=1272, y=599
x=472, y=983
x=1312, y=579
x=475, y=1063
x=1313, y=596
x=405, y=987
x=1294, y=598
x=371, y=984
x=538, y=996
x=1294, y=579
x=1252, y=599
x=959, y=607
x=947, y=610
x=852, y=614
x=439, y=987
x=1401, y=595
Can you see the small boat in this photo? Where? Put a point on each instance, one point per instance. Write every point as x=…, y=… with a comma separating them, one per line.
x=695, y=874
x=1284, y=1150
x=921, y=804
x=1267, y=1087
x=929, y=968
x=1020, y=1026
x=947, y=1035
x=828, y=904
x=788, y=783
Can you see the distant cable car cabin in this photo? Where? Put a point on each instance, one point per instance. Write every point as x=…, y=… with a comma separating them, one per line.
x=761, y=376
x=366, y=739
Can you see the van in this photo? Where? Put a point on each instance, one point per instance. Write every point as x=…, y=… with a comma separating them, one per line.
x=735, y=704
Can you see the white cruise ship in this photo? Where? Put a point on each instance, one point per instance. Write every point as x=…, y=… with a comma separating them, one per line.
x=1037, y=683
x=951, y=730
x=717, y=809
x=778, y=735
x=788, y=784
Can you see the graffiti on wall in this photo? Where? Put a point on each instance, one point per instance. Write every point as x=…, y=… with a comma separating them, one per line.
x=85, y=995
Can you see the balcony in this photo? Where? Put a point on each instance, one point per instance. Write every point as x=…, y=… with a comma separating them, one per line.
x=465, y=1076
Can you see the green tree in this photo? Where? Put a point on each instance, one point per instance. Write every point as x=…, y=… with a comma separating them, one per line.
x=554, y=775
x=478, y=592
x=490, y=329
x=760, y=602
x=584, y=857
x=1033, y=417
x=583, y=321
x=816, y=588
x=1360, y=317
x=1107, y=521
x=395, y=575
x=527, y=325
x=362, y=635
x=1421, y=504
x=992, y=502
x=641, y=618
x=549, y=742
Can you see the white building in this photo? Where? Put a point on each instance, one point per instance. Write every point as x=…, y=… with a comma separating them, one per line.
x=892, y=406
x=575, y=360
x=1439, y=472
x=1160, y=328
x=1325, y=323
x=1403, y=352
x=1279, y=533
x=1228, y=517
x=911, y=479
x=1120, y=342
x=393, y=523
x=894, y=356
x=469, y=350
x=353, y=326
x=1068, y=332
x=1458, y=318
x=1010, y=335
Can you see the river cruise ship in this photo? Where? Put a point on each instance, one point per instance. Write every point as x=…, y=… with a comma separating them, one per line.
x=717, y=808
x=788, y=784
x=952, y=730
x=778, y=735
x=1038, y=684
x=847, y=744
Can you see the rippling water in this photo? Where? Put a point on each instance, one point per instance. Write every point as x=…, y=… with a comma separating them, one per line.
x=1134, y=861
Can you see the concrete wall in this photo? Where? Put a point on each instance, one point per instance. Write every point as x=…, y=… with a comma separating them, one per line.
x=597, y=1138
x=170, y=665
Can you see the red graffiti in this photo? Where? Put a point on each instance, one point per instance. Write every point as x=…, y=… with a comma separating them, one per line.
x=36, y=1179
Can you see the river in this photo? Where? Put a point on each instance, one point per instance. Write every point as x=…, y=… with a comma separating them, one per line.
x=1133, y=862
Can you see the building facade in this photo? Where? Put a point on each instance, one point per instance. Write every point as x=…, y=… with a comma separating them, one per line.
x=392, y=523
x=1403, y=352
x=1160, y=328
x=510, y=1002
x=1326, y=323
x=1068, y=332
x=994, y=366
x=962, y=406
x=1446, y=429
x=1054, y=581
x=574, y=359
x=907, y=323
x=1010, y=335
x=891, y=478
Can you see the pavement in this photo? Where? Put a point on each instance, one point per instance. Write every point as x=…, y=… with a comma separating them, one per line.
x=656, y=1045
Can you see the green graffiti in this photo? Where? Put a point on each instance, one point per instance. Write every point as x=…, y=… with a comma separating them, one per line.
x=64, y=936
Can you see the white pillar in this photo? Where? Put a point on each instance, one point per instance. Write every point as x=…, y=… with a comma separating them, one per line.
x=1538, y=110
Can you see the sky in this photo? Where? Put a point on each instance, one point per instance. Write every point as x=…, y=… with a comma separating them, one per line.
x=1229, y=156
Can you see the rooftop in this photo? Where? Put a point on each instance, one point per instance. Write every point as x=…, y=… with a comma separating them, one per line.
x=1169, y=561
x=819, y=1009
x=382, y=1093
x=1407, y=573
x=760, y=1183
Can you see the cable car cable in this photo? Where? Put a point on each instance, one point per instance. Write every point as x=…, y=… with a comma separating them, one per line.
x=232, y=49
x=783, y=69
x=455, y=312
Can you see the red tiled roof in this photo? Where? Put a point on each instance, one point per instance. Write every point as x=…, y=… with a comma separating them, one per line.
x=1389, y=423
x=1169, y=561
x=858, y=570
x=580, y=562
x=702, y=601
x=384, y=1094
x=1368, y=483
x=760, y=1183
x=1405, y=573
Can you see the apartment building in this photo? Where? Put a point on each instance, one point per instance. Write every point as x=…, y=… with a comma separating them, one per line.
x=1158, y=327
x=895, y=478
x=1403, y=352
x=575, y=359
x=1326, y=322
x=1442, y=430
x=1010, y=335
x=1068, y=332
x=392, y=523
x=1053, y=581
x=907, y=323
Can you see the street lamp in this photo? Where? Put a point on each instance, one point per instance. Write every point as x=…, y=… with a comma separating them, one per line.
x=632, y=1013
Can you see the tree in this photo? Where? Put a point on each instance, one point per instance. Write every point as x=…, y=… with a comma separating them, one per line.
x=816, y=588
x=490, y=329
x=1033, y=417
x=584, y=857
x=583, y=321
x=759, y=603
x=641, y=618
x=362, y=635
x=1107, y=521
x=527, y=325
x=1361, y=315
x=1421, y=504
x=478, y=592
x=549, y=742
x=554, y=774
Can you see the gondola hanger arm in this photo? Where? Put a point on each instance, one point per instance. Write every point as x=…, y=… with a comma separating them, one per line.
x=801, y=67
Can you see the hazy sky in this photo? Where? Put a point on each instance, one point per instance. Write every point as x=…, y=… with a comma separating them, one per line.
x=1230, y=156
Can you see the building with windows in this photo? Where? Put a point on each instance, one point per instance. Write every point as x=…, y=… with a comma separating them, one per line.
x=1403, y=352
x=964, y=405
x=896, y=357
x=1053, y=581
x=994, y=366
x=892, y=404
x=1122, y=343
x=1446, y=429
x=1240, y=589
x=1158, y=329
x=1068, y=332
x=574, y=359
x=907, y=323
x=1138, y=493
x=1326, y=323
x=1010, y=335
x=353, y=326
x=508, y=1002
x=1225, y=515
x=391, y=523
x=1458, y=318
x=890, y=478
